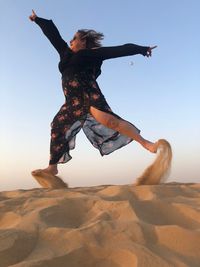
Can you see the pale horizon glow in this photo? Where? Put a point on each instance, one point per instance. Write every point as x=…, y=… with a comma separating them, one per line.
x=159, y=95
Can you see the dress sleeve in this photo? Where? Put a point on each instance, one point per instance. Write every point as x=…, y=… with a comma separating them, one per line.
x=51, y=32
x=119, y=51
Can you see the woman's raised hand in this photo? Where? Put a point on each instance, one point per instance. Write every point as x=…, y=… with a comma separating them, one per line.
x=32, y=16
x=149, y=51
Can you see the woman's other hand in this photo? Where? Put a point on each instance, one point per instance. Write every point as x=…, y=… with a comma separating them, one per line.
x=149, y=51
x=32, y=16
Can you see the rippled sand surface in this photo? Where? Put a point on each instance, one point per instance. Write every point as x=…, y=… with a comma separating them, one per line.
x=102, y=226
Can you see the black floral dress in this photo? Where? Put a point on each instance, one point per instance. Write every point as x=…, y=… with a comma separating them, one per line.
x=79, y=73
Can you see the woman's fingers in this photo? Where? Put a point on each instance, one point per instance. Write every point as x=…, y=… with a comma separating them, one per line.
x=149, y=51
x=153, y=47
x=33, y=12
x=33, y=15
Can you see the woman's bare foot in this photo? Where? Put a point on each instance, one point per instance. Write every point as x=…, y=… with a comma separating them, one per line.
x=47, y=178
x=152, y=147
x=51, y=169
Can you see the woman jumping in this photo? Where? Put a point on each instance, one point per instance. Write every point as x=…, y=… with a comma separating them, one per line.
x=85, y=106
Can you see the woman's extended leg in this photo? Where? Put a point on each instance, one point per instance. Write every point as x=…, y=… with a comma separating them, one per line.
x=123, y=127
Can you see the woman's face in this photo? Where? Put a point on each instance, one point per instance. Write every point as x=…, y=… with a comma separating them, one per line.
x=76, y=43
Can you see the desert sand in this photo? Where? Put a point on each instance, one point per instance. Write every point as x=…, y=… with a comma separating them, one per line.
x=101, y=226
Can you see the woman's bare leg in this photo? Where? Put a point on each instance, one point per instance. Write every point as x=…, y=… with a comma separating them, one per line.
x=123, y=127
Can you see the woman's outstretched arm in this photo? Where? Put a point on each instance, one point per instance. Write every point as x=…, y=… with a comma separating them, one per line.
x=51, y=32
x=120, y=51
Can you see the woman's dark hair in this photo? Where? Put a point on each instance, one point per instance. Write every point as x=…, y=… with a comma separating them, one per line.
x=93, y=38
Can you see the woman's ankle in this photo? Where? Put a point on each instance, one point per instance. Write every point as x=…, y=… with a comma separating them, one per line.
x=52, y=169
x=150, y=146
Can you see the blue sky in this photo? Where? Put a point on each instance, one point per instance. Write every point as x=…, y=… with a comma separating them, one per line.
x=159, y=95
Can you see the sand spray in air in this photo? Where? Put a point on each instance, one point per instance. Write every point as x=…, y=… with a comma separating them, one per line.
x=159, y=170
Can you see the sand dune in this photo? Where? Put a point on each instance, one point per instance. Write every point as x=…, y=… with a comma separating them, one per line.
x=102, y=226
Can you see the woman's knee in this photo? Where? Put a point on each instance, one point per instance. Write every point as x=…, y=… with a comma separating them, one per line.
x=104, y=118
x=112, y=123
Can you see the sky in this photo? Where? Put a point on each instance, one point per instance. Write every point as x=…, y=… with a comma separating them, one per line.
x=160, y=95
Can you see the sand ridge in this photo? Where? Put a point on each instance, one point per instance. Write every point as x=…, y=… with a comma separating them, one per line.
x=102, y=226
